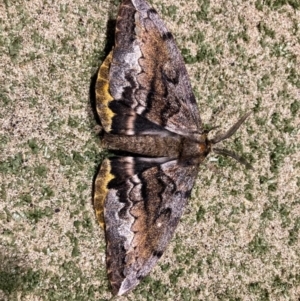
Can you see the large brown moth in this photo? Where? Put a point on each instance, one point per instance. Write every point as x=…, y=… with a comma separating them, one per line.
x=151, y=121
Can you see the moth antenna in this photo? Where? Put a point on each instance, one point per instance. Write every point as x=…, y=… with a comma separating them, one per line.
x=225, y=152
x=231, y=131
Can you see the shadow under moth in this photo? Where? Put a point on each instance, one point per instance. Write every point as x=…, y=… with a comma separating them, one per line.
x=151, y=121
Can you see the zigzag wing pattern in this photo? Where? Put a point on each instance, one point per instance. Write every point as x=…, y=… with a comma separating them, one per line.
x=147, y=85
x=144, y=201
x=150, y=118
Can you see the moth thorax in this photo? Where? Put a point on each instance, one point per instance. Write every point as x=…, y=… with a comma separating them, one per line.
x=204, y=148
x=196, y=149
x=204, y=145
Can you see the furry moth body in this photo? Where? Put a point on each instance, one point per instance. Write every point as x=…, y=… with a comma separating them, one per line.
x=148, y=111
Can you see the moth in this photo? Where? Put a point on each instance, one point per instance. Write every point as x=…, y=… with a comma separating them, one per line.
x=152, y=124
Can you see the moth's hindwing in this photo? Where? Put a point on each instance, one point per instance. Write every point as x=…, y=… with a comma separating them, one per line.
x=101, y=189
x=103, y=97
x=143, y=205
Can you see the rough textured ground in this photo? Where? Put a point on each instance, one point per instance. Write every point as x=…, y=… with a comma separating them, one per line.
x=239, y=237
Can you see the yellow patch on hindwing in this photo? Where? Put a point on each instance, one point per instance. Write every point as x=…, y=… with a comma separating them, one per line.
x=103, y=97
x=103, y=178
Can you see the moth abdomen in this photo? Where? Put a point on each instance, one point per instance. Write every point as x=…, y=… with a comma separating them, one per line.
x=146, y=145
